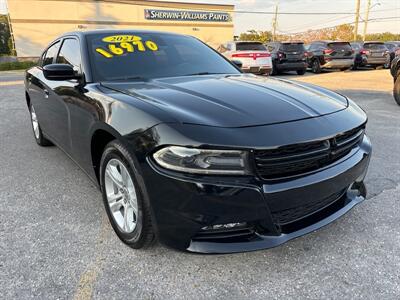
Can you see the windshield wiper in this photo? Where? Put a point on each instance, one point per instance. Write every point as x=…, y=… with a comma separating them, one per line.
x=202, y=73
x=128, y=78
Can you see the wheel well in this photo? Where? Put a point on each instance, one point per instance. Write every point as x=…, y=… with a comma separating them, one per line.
x=28, y=99
x=99, y=141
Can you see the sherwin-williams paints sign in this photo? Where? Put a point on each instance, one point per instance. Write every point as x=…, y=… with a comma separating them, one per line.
x=183, y=15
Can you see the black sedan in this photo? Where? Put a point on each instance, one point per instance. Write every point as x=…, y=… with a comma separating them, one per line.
x=188, y=149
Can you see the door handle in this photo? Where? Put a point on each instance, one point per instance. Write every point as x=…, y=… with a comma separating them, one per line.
x=46, y=93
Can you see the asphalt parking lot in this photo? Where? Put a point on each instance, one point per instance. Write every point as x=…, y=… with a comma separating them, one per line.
x=56, y=242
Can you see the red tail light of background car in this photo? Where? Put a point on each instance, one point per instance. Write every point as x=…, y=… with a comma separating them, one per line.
x=328, y=51
x=251, y=55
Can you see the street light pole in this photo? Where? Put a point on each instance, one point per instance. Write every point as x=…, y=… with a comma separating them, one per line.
x=357, y=19
x=275, y=23
x=366, y=19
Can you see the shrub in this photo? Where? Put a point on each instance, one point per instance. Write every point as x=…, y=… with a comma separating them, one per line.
x=16, y=65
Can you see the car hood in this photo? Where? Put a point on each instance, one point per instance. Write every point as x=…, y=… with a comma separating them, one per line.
x=233, y=100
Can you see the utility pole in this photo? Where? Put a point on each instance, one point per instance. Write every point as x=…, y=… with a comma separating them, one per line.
x=357, y=19
x=275, y=23
x=366, y=19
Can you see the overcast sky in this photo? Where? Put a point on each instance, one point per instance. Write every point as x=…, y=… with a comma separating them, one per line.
x=296, y=23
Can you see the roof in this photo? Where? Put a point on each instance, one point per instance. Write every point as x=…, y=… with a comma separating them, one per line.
x=116, y=31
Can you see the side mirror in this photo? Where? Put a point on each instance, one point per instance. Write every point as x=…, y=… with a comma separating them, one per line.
x=59, y=72
x=237, y=63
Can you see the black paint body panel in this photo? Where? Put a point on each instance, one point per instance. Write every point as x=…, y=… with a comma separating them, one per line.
x=232, y=111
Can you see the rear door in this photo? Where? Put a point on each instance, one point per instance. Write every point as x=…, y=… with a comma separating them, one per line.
x=339, y=50
x=252, y=54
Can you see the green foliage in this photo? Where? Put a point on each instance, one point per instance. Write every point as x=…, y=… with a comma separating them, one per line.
x=342, y=32
x=16, y=65
x=383, y=37
x=259, y=36
x=5, y=37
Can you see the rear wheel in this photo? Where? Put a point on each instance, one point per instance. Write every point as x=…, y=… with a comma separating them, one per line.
x=316, y=66
x=37, y=131
x=396, y=90
x=301, y=72
x=126, y=207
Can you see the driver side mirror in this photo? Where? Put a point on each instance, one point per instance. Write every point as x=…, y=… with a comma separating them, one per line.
x=60, y=72
x=237, y=63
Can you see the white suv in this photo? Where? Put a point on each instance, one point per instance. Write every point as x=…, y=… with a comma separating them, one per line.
x=254, y=56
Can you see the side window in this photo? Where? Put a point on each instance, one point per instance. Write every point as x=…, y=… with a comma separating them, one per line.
x=70, y=54
x=50, y=54
x=222, y=48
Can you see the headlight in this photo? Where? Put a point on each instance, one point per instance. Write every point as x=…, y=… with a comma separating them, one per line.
x=203, y=161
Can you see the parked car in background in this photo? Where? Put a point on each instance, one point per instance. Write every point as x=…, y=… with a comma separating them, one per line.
x=393, y=47
x=395, y=71
x=371, y=54
x=254, y=56
x=288, y=56
x=329, y=55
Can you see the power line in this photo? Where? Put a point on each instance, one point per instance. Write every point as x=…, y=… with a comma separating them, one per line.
x=373, y=20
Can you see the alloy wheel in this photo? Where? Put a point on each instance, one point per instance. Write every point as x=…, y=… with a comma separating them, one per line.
x=121, y=195
x=35, y=123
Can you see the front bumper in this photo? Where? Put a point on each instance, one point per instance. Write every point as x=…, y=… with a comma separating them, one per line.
x=183, y=206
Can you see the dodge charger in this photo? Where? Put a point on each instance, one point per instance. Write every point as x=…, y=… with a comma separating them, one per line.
x=188, y=150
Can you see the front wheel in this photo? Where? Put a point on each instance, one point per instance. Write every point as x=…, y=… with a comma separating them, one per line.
x=396, y=90
x=123, y=196
x=37, y=131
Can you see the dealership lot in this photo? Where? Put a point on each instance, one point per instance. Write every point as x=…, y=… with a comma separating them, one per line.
x=56, y=242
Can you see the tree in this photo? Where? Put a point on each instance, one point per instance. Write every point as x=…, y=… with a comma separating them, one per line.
x=5, y=37
x=259, y=36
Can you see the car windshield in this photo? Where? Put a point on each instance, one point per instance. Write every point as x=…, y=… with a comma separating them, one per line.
x=139, y=55
x=339, y=46
x=246, y=46
x=375, y=46
x=293, y=47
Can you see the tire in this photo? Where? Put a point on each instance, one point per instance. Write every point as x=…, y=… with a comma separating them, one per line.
x=301, y=72
x=316, y=66
x=118, y=166
x=274, y=70
x=396, y=90
x=36, y=130
x=355, y=67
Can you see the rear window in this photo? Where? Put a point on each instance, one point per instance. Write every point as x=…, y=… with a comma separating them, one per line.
x=375, y=46
x=250, y=46
x=295, y=47
x=390, y=46
x=339, y=46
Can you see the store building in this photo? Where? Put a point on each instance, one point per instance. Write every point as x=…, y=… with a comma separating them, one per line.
x=36, y=22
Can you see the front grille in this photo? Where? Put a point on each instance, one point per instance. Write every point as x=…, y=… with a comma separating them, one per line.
x=295, y=213
x=299, y=159
x=225, y=235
